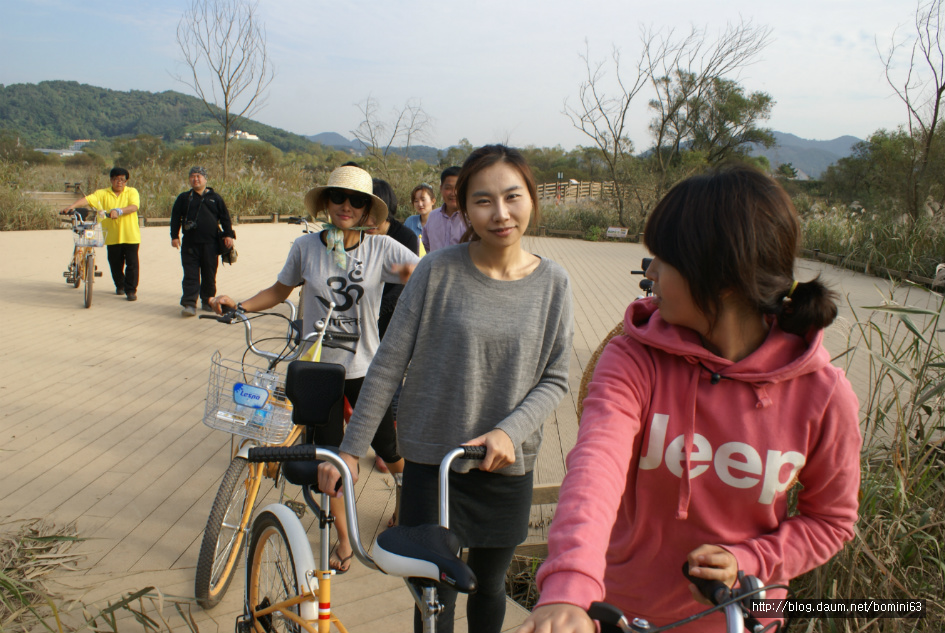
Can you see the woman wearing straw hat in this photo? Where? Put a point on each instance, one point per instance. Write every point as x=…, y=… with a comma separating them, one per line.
x=344, y=265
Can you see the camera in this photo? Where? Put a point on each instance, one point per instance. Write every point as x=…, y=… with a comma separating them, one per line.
x=190, y=225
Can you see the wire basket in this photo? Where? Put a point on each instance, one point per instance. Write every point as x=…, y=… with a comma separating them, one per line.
x=247, y=400
x=88, y=234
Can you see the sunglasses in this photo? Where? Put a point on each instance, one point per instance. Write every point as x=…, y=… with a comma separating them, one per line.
x=356, y=200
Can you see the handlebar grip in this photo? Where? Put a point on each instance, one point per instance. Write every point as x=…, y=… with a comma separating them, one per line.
x=227, y=317
x=474, y=452
x=715, y=590
x=609, y=616
x=297, y=453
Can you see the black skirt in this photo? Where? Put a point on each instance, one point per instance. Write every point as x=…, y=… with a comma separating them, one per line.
x=486, y=509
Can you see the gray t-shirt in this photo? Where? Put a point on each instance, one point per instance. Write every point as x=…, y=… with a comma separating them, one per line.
x=356, y=291
x=483, y=354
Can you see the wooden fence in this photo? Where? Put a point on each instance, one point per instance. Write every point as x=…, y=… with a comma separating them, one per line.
x=575, y=190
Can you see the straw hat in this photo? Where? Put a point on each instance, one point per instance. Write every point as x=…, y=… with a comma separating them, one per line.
x=350, y=177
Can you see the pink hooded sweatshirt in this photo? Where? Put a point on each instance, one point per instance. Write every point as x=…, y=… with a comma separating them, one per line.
x=661, y=405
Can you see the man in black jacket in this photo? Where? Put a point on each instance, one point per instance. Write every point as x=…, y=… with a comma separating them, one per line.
x=201, y=213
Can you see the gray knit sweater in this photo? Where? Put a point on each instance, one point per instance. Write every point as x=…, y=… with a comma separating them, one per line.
x=483, y=354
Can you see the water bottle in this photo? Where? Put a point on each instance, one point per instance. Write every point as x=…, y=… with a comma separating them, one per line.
x=267, y=381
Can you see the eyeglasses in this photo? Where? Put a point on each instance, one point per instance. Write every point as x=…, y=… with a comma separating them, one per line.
x=356, y=200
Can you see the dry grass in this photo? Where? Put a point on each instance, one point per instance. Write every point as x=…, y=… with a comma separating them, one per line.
x=33, y=552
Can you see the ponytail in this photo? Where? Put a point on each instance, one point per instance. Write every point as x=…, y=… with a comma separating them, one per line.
x=806, y=306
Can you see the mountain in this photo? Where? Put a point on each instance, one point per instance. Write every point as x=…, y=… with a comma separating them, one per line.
x=337, y=141
x=55, y=113
x=333, y=139
x=809, y=157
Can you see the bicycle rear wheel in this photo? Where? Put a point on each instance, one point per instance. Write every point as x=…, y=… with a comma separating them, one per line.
x=89, y=276
x=271, y=576
x=224, y=535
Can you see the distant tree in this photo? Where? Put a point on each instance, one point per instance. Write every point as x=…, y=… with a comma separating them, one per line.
x=602, y=115
x=787, y=170
x=224, y=47
x=382, y=135
x=723, y=121
x=696, y=105
x=456, y=154
x=915, y=70
x=138, y=151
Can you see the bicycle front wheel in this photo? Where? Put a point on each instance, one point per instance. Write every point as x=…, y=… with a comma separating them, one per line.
x=89, y=276
x=224, y=536
x=76, y=267
x=271, y=576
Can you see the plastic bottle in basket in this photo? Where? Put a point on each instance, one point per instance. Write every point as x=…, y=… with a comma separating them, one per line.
x=267, y=381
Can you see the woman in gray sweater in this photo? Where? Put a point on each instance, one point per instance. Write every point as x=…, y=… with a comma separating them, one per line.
x=486, y=328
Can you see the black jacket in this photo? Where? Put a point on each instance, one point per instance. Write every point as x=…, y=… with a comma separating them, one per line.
x=208, y=211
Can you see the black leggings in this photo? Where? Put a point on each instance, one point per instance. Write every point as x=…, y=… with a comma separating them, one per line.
x=385, y=439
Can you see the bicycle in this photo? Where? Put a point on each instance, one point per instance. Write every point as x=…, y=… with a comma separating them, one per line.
x=285, y=589
x=734, y=603
x=87, y=235
x=646, y=285
x=247, y=401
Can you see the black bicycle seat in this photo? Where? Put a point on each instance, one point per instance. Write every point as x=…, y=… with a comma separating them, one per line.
x=424, y=551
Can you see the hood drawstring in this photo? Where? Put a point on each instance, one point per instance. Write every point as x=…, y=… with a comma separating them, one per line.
x=764, y=400
x=685, y=486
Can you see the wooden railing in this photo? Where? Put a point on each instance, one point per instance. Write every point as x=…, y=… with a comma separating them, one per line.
x=565, y=190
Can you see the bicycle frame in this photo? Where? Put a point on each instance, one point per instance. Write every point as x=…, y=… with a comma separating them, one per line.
x=313, y=584
x=219, y=557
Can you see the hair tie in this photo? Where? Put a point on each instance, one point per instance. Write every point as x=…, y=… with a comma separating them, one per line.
x=786, y=300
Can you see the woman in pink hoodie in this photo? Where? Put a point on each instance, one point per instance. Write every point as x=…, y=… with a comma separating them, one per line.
x=716, y=401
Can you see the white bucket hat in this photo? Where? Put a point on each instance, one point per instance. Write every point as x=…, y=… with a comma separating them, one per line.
x=354, y=179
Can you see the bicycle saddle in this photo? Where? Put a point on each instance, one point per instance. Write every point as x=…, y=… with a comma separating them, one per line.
x=424, y=551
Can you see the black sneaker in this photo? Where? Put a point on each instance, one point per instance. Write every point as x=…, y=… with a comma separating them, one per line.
x=205, y=306
x=119, y=291
x=132, y=296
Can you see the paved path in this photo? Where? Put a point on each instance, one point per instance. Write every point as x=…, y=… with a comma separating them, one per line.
x=100, y=409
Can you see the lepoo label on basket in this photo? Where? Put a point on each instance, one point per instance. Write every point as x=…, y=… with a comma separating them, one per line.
x=250, y=396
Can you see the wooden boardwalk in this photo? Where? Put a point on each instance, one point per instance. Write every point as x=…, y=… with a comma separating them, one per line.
x=100, y=410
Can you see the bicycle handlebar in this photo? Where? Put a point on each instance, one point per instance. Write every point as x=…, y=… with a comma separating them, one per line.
x=295, y=347
x=737, y=616
x=310, y=452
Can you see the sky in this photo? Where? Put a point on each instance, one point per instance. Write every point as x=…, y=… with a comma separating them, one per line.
x=484, y=70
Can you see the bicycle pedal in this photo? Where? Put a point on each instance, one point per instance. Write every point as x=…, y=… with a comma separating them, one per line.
x=244, y=624
x=297, y=507
x=98, y=273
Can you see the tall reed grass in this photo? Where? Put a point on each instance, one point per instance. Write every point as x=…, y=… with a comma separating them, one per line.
x=899, y=547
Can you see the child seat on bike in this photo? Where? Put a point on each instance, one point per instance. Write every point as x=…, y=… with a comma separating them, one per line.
x=317, y=393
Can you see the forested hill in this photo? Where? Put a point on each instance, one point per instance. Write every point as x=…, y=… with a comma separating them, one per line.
x=55, y=113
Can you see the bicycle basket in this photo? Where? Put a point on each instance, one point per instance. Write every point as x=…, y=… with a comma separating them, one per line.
x=247, y=400
x=88, y=234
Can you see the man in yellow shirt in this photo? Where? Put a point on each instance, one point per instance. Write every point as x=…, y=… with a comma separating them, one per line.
x=122, y=235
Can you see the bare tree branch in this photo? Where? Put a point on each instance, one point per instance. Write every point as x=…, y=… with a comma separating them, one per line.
x=223, y=45
x=380, y=137
x=920, y=87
